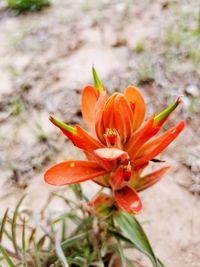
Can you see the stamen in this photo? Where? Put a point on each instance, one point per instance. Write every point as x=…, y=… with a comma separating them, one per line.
x=127, y=172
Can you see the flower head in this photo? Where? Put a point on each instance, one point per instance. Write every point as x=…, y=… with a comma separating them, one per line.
x=119, y=146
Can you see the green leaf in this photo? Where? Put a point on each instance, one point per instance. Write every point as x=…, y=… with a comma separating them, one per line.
x=97, y=83
x=133, y=231
x=61, y=254
x=6, y=256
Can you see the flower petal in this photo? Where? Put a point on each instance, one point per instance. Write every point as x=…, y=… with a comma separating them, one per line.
x=160, y=147
x=111, y=154
x=105, y=164
x=140, y=137
x=147, y=148
x=117, y=114
x=128, y=200
x=89, y=100
x=123, y=117
x=78, y=136
x=135, y=97
x=99, y=128
x=73, y=171
x=117, y=179
x=84, y=140
x=151, y=178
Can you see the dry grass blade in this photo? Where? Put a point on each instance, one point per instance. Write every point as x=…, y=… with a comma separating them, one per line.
x=61, y=255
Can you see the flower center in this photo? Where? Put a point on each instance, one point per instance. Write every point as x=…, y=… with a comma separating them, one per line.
x=112, y=138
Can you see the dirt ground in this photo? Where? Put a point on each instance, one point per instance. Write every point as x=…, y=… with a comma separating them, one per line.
x=46, y=59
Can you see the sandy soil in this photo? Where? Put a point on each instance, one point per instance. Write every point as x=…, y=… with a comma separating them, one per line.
x=46, y=59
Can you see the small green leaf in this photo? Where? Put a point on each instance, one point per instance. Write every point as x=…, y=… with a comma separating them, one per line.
x=165, y=113
x=133, y=231
x=61, y=254
x=63, y=125
x=97, y=83
x=6, y=256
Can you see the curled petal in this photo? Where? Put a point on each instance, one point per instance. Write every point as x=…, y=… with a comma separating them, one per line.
x=89, y=100
x=128, y=200
x=134, y=96
x=160, y=147
x=151, y=178
x=72, y=172
x=111, y=154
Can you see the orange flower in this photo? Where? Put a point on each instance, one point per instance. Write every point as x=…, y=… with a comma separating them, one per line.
x=119, y=146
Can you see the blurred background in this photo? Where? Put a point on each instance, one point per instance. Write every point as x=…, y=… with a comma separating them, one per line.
x=47, y=49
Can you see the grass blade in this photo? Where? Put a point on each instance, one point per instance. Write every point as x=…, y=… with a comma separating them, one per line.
x=13, y=224
x=61, y=254
x=24, y=243
x=6, y=257
x=3, y=224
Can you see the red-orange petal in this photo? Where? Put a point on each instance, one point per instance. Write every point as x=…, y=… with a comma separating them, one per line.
x=105, y=164
x=117, y=179
x=135, y=97
x=89, y=100
x=128, y=200
x=123, y=117
x=147, y=148
x=118, y=115
x=72, y=172
x=160, y=147
x=140, y=137
x=151, y=178
x=85, y=141
x=110, y=154
x=99, y=128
